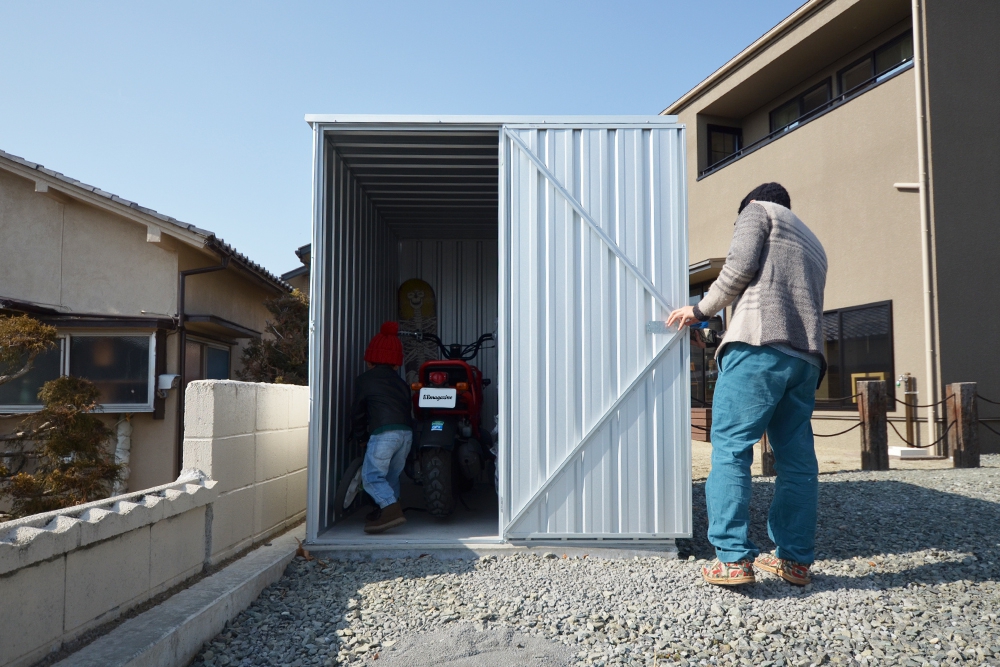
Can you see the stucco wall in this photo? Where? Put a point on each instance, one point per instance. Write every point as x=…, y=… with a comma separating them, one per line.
x=78, y=258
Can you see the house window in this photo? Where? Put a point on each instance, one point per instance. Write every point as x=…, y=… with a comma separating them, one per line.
x=881, y=62
x=23, y=392
x=858, y=347
x=205, y=361
x=788, y=114
x=723, y=142
x=120, y=365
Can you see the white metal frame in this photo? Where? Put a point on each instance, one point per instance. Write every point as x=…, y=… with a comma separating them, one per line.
x=506, y=522
x=320, y=124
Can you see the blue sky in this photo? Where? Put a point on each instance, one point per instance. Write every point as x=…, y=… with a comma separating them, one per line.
x=196, y=109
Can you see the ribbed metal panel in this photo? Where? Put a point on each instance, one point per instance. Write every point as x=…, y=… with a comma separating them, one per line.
x=464, y=277
x=353, y=291
x=594, y=411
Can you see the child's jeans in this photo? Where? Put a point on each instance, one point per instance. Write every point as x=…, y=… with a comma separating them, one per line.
x=384, y=461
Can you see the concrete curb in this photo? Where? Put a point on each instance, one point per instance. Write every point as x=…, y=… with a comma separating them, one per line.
x=172, y=633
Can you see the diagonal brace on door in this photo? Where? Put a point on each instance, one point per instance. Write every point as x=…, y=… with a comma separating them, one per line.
x=582, y=212
x=593, y=431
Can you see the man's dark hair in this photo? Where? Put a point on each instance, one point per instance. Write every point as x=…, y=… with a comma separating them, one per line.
x=772, y=192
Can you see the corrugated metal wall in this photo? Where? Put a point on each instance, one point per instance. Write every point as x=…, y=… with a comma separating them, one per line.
x=575, y=339
x=352, y=294
x=463, y=274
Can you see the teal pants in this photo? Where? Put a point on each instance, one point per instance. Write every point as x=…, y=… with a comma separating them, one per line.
x=760, y=388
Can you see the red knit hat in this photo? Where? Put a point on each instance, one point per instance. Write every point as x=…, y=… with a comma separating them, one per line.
x=385, y=347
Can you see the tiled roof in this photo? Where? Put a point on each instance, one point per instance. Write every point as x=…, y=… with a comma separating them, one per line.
x=210, y=239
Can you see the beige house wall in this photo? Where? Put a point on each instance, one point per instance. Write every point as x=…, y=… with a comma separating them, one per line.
x=63, y=253
x=839, y=169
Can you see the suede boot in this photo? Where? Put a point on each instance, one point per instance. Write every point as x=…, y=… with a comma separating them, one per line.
x=390, y=517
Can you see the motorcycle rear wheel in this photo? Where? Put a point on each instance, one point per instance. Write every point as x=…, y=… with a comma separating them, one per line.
x=435, y=468
x=350, y=494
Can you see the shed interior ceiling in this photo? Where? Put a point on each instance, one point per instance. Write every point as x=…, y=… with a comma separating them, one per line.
x=427, y=184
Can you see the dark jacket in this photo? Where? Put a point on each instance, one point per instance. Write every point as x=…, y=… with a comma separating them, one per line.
x=381, y=398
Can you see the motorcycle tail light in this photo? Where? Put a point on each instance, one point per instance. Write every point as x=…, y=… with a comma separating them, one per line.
x=438, y=377
x=416, y=386
x=462, y=386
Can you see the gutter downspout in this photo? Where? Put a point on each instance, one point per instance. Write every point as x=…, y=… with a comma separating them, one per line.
x=181, y=352
x=927, y=241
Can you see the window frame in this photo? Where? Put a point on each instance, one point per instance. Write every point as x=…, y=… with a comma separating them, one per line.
x=65, y=341
x=798, y=99
x=207, y=342
x=870, y=57
x=723, y=129
x=841, y=404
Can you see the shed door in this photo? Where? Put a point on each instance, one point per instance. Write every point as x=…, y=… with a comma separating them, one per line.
x=595, y=396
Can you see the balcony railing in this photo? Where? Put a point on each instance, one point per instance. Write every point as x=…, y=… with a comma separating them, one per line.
x=841, y=99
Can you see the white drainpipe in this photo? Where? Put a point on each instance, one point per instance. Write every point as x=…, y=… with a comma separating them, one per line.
x=927, y=244
x=123, y=450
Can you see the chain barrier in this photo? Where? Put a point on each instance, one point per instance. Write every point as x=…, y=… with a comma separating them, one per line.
x=988, y=427
x=932, y=405
x=983, y=398
x=830, y=435
x=910, y=444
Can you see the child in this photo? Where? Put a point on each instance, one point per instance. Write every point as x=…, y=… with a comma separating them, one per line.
x=382, y=409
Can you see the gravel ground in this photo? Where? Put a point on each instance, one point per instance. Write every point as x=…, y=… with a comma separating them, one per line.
x=907, y=574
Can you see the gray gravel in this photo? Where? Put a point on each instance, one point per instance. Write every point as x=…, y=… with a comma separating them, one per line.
x=907, y=575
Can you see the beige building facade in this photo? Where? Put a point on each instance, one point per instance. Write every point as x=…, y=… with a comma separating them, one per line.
x=113, y=277
x=871, y=114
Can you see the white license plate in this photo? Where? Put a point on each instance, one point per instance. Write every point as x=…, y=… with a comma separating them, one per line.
x=437, y=398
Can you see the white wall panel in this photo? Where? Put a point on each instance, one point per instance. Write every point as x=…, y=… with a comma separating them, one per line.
x=575, y=335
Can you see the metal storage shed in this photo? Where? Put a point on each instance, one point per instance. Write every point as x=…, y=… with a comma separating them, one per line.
x=568, y=236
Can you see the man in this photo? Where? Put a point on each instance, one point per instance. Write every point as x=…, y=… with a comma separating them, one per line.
x=770, y=365
x=382, y=414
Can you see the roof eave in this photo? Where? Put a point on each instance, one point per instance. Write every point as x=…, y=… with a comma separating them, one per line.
x=792, y=21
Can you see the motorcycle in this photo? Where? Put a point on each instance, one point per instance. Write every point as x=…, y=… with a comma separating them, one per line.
x=451, y=449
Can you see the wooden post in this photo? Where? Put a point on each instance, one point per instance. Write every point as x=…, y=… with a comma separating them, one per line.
x=766, y=458
x=963, y=416
x=872, y=405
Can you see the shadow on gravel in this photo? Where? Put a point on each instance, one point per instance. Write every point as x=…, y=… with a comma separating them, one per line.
x=866, y=519
x=296, y=619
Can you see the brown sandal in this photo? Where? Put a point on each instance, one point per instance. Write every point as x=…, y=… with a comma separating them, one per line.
x=790, y=571
x=729, y=574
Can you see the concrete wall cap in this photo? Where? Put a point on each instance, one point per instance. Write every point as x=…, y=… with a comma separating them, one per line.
x=41, y=536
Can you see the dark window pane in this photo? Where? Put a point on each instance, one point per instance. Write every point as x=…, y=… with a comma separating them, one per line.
x=118, y=365
x=722, y=142
x=24, y=390
x=785, y=115
x=856, y=75
x=816, y=98
x=217, y=364
x=831, y=387
x=867, y=346
x=192, y=362
x=894, y=53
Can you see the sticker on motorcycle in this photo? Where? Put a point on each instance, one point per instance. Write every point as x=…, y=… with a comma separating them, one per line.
x=437, y=426
x=431, y=397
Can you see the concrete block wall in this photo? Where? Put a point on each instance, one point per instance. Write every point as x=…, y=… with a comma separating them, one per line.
x=244, y=479
x=253, y=438
x=65, y=572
